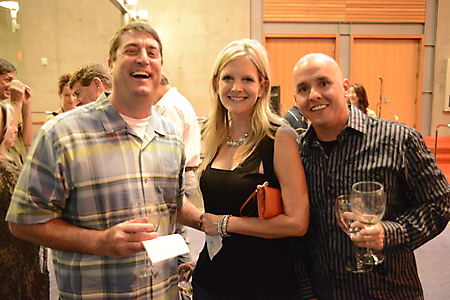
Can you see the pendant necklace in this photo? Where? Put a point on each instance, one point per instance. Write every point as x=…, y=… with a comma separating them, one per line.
x=238, y=142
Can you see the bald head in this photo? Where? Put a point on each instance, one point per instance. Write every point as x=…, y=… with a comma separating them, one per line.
x=320, y=94
x=318, y=59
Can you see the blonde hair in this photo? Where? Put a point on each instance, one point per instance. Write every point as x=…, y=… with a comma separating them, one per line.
x=6, y=115
x=263, y=120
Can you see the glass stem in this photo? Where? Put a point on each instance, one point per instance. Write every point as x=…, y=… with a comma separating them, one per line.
x=369, y=253
x=359, y=261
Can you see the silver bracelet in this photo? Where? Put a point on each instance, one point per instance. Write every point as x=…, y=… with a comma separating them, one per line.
x=219, y=225
x=222, y=226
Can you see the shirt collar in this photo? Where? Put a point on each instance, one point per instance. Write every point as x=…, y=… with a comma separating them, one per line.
x=112, y=121
x=156, y=123
x=356, y=121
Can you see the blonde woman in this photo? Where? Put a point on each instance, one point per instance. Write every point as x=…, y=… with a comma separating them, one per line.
x=254, y=260
x=19, y=260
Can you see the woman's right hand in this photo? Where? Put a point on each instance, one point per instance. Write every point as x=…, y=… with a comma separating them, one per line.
x=209, y=224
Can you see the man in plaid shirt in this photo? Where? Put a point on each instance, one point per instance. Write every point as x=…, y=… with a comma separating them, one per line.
x=86, y=167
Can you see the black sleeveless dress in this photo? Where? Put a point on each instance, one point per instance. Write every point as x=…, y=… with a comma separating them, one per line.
x=246, y=267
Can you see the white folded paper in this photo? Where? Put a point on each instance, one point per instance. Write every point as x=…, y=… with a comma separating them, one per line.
x=165, y=247
x=214, y=244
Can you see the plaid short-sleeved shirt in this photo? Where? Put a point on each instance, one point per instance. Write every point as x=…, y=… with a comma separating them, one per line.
x=85, y=167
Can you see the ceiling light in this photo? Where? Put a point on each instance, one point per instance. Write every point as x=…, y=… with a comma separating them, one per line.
x=13, y=7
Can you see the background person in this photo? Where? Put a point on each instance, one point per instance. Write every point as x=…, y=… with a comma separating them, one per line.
x=66, y=95
x=358, y=97
x=343, y=146
x=177, y=108
x=22, y=268
x=87, y=168
x=88, y=82
x=20, y=97
x=295, y=118
x=68, y=102
x=247, y=144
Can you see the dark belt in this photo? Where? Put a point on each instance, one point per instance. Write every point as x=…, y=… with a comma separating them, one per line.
x=187, y=169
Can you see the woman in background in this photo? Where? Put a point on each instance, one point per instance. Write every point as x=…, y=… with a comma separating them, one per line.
x=21, y=268
x=246, y=144
x=358, y=97
x=66, y=95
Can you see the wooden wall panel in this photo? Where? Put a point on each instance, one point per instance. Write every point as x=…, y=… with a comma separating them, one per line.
x=396, y=60
x=284, y=52
x=405, y=11
x=364, y=11
x=304, y=11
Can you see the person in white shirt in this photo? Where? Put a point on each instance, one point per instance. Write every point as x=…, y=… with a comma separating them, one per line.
x=177, y=108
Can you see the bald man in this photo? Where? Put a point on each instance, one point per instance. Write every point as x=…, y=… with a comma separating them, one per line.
x=340, y=148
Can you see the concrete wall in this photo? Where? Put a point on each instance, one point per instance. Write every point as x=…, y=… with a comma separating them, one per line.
x=66, y=33
x=72, y=33
x=10, y=48
x=193, y=33
x=442, y=53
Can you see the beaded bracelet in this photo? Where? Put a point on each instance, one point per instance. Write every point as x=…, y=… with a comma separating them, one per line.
x=222, y=226
x=219, y=225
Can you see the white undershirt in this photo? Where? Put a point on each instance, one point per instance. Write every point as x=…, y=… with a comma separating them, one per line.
x=138, y=125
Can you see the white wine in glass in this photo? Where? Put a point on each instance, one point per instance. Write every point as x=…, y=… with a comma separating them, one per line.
x=184, y=285
x=368, y=203
x=345, y=218
x=150, y=213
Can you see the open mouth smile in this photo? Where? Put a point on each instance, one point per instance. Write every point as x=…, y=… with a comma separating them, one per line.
x=141, y=74
x=319, y=107
x=237, y=98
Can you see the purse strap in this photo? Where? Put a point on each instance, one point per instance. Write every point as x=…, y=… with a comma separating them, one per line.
x=258, y=187
x=269, y=171
x=267, y=160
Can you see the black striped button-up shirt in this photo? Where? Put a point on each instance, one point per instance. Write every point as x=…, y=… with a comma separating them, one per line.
x=417, y=210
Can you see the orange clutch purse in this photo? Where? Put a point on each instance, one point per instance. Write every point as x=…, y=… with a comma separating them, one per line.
x=268, y=200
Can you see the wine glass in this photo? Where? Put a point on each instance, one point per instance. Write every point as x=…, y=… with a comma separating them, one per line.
x=368, y=204
x=345, y=218
x=184, y=285
x=150, y=213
